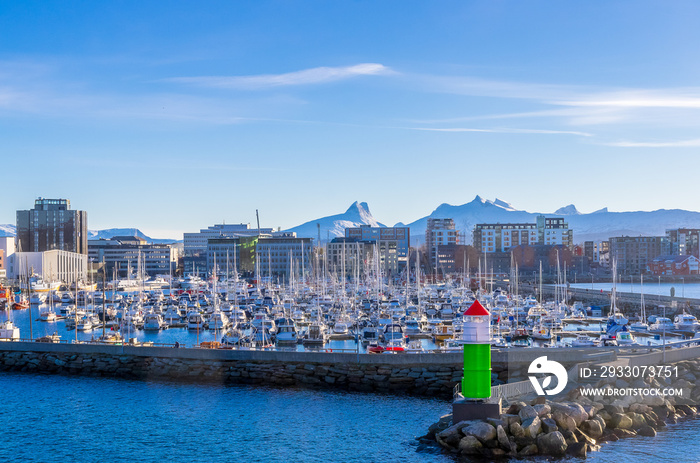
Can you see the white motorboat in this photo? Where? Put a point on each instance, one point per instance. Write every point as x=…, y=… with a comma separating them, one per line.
x=686, y=322
x=662, y=324
x=286, y=332
x=315, y=336
x=8, y=331
x=218, y=321
x=153, y=322
x=626, y=338
x=195, y=321
x=584, y=341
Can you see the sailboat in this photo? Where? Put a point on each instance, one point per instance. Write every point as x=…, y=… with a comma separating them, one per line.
x=641, y=326
x=616, y=319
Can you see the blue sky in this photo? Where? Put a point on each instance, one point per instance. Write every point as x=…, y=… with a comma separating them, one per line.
x=172, y=116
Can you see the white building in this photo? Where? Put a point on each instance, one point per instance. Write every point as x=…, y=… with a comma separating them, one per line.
x=7, y=248
x=54, y=265
x=500, y=237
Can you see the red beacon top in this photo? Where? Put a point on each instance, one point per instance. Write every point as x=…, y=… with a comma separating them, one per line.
x=476, y=310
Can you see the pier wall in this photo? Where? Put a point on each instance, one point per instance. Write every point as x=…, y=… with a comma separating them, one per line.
x=433, y=374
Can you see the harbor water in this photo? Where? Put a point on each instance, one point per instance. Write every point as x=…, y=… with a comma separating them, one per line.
x=651, y=288
x=53, y=418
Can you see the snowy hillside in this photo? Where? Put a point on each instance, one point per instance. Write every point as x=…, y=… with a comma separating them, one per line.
x=596, y=226
x=334, y=226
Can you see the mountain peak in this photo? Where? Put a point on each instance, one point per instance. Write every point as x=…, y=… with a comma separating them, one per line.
x=567, y=210
x=358, y=207
x=600, y=211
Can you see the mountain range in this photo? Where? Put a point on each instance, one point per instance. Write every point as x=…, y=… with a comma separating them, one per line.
x=595, y=226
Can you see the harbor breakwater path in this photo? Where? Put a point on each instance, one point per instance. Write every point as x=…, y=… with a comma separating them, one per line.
x=432, y=374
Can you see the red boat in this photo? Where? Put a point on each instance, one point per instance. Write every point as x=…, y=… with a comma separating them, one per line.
x=375, y=349
x=23, y=304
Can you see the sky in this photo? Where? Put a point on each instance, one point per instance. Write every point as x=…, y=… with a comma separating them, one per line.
x=173, y=116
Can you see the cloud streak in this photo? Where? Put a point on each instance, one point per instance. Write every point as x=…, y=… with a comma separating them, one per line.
x=665, y=144
x=504, y=130
x=318, y=75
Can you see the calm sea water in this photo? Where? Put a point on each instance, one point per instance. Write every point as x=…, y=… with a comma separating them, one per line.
x=52, y=418
x=650, y=288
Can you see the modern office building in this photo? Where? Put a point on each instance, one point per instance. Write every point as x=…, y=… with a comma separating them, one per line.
x=349, y=256
x=439, y=232
x=230, y=255
x=634, y=253
x=122, y=256
x=393, y=244
x=52, y=225
x=683, y=241
x=281, y=257
x=500, y=237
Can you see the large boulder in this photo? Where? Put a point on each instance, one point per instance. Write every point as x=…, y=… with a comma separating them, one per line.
x=579, y=449
x=542, y=409
x=516, y=430
x=564, y=421
x=637, y=420
x=592, y=428
x=508, y=419
x=527, y=412
x=503, y=439
x=621, y=421
x=515, y=407
x=574, y=410
x=549, y=425
x=482, y=431
x=532, y=426
x=451, y=436
x=647, y=431
x=569, y=437
x=470, y=445
x=552, y=443
x=442, y=424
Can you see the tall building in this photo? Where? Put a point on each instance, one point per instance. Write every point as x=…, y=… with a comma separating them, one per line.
x=683, y=241
x=500, y=237
x=198, y=255
x=633, y=254
x=439, y=232
x=52, y=225
x=393, y=243
x=283, y=256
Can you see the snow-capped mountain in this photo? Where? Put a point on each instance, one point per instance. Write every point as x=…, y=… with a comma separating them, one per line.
x=467, y=215
x=112, y=232
x=596, y=226
x=334, y=226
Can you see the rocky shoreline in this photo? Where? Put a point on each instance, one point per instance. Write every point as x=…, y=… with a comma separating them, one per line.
x=575, y=425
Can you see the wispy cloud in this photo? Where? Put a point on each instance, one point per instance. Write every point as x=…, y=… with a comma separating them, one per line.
x=303, y=77
x=503, y=130
x=665, y=98
x=662, y=144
